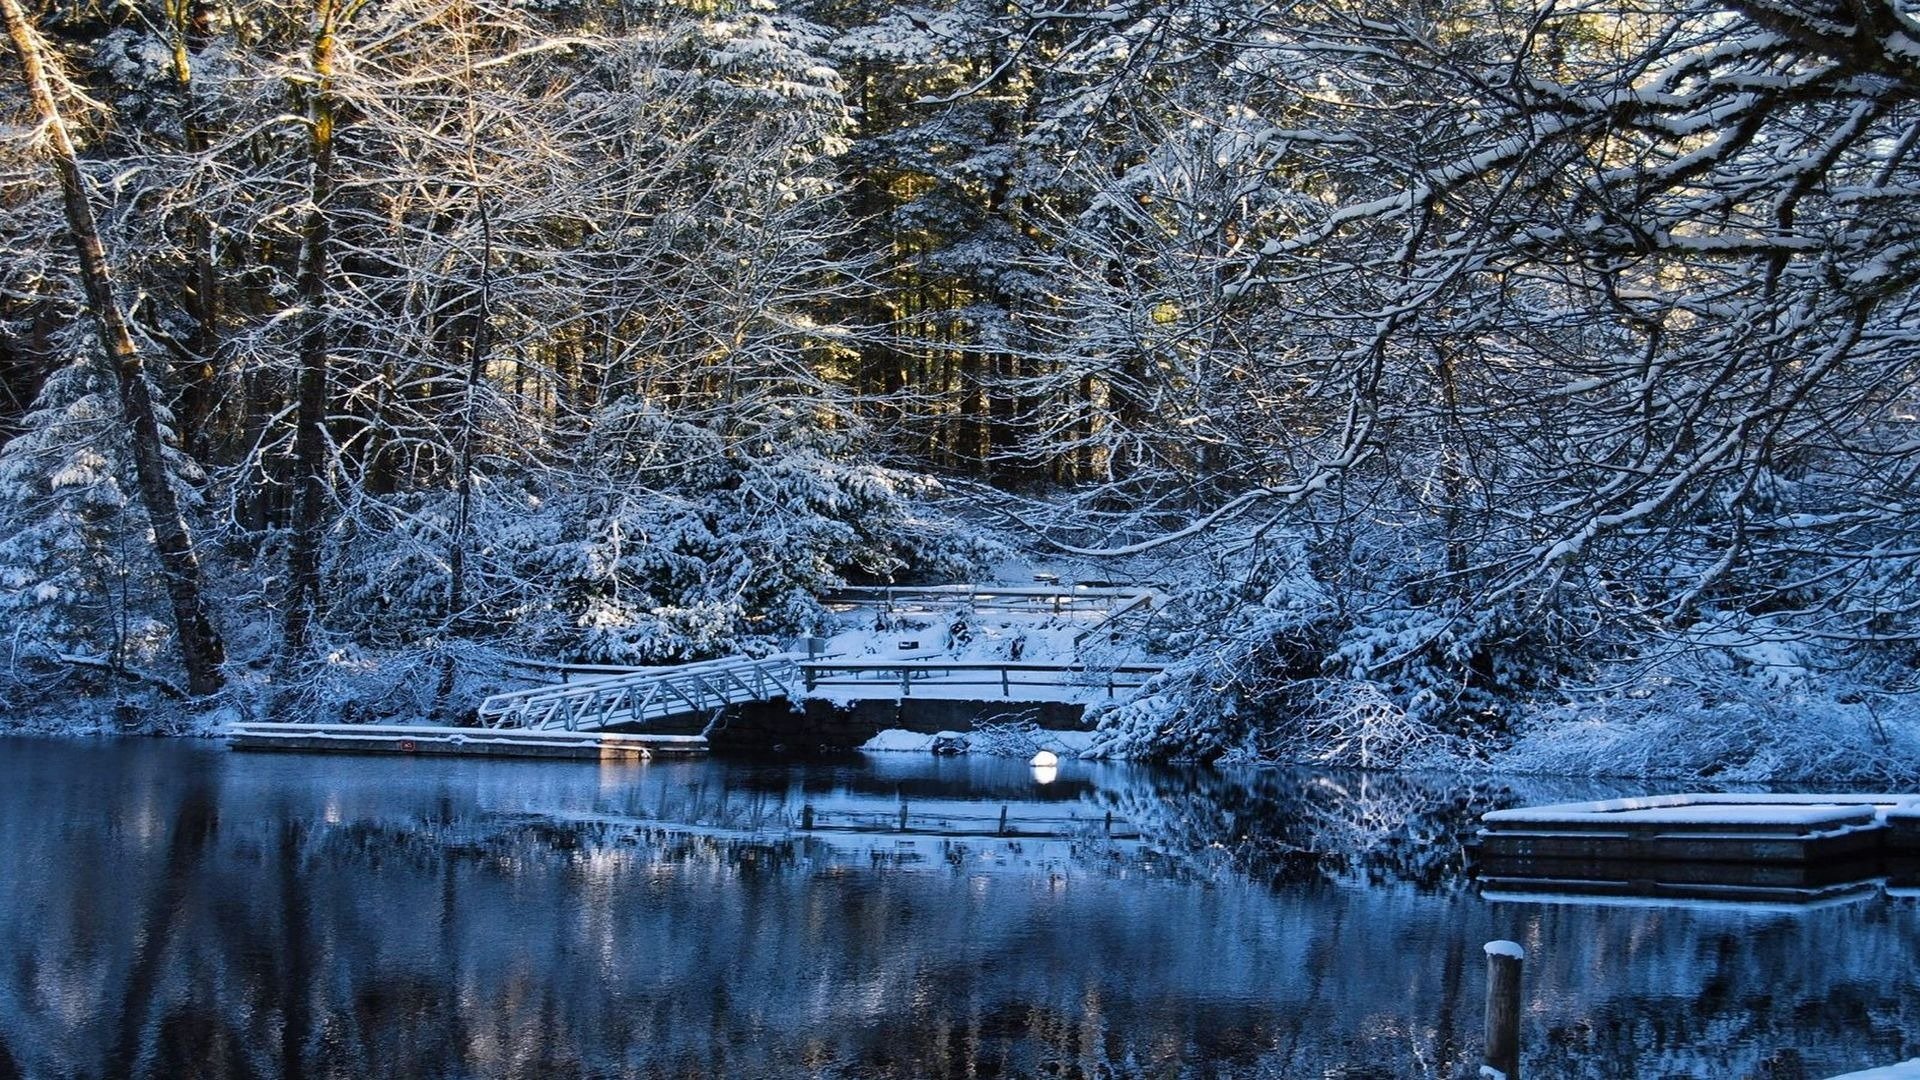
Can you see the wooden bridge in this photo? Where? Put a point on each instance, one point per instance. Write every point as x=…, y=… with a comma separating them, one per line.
x=640, y=696
x=588, y=701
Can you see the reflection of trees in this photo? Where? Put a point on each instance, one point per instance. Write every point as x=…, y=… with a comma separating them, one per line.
x=1287, y=826
x=331, y=925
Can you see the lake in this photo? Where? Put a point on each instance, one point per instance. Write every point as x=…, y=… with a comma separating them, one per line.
x=170, y=909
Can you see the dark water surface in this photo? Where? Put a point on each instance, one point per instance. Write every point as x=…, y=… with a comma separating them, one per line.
x=172, y=909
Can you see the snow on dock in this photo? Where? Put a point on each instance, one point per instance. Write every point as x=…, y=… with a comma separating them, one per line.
x=1749, y=828
x=1744, y=848
x=421, y=739
x=1734, y=810
x=1906, y=1070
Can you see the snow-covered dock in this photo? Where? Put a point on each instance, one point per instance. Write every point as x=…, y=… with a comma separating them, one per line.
x=1743, y=847
x=419, y=739
x=1903, y=1071
x=1906, y=1070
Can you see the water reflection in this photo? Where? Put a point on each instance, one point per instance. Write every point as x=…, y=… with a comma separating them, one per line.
x=169, y=909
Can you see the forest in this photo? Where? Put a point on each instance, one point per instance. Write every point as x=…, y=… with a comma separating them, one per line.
x=1530, y=379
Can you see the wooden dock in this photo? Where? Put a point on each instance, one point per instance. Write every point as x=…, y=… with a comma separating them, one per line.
x=492, y=742
x=1797, y=849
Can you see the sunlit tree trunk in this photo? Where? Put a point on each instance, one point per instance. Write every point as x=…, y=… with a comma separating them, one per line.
x=200, y=646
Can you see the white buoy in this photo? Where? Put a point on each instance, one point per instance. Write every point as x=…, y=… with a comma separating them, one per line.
x=1045, y=759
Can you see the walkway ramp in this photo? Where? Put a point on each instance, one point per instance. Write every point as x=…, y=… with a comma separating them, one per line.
x=648, y=695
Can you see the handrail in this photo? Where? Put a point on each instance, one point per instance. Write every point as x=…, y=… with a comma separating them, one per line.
x=1057, y=599
x=937, y=664
x=644, y=695
x=983, y=590
x=816, y=674
x=1140, y=601
x=601, y=683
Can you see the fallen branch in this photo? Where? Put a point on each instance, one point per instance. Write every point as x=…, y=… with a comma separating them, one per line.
x=161, y=682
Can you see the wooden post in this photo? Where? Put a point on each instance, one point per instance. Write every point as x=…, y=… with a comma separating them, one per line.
x=1503, y=1007
x=1005, y=690
x=1003, y=819
x=903, y=817
x=806, y=818
x=906, y=688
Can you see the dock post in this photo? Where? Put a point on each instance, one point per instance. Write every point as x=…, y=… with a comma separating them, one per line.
x=1503, y=1008
x=806, y=818
x=1003, y=819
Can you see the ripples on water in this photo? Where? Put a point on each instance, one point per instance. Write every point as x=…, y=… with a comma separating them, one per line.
x=170, y=909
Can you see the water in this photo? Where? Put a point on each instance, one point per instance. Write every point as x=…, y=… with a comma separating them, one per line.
x=171, y=909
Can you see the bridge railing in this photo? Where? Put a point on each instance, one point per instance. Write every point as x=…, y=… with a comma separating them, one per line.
x=1054, y=600
x=900, y=676
x=647, y=694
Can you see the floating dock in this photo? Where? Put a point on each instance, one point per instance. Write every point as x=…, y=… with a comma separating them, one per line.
x=1744, y=848
x=494, y=742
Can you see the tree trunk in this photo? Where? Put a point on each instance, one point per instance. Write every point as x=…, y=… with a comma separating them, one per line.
x=477, y=347
x=200, y=647
x=309, y=440
x=201, y=295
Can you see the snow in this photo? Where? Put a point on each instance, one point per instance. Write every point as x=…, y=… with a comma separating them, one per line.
x=1062, y=744
x=899, y=740
x=1906, y=1070
x=1804, y=811
x=1005, y=644
x=1506, y=948
x=1794, y=816
x=1728, y=903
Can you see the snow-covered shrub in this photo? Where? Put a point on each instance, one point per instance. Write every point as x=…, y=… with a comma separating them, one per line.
x=356, y=685
x=387, y=569
x=1014, y=737
x=687, y=544
x=1342, y=723
x=1241, y=634
x=961, y=627
x=1334, y=650
x=668, y=543
x=1731, y=731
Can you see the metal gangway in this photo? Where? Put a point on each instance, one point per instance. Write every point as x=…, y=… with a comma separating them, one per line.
x=646, y=694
